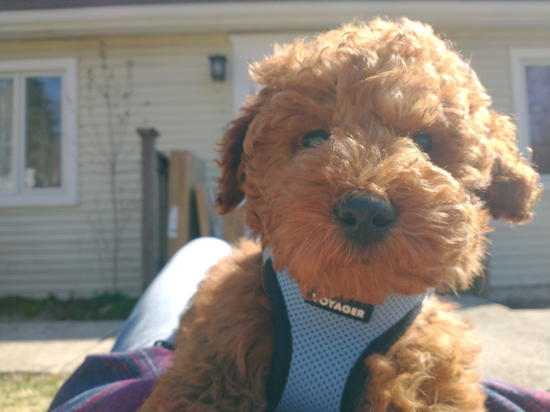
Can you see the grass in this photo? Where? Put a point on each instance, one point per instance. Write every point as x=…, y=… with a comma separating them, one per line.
x=105, y=306
x=28, y=392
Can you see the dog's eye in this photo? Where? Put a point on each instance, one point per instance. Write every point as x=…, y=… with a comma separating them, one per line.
x=423, y=141
x=315, y=138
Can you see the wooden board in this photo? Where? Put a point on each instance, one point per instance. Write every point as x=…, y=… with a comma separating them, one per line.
x=201, y=194
x=186, y=170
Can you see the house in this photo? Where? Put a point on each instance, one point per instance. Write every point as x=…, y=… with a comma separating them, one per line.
x=58, y=231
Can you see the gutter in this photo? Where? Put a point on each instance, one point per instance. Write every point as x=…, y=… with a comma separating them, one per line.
x=264, y=17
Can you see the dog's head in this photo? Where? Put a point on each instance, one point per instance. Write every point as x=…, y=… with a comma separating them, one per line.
x=370, y=162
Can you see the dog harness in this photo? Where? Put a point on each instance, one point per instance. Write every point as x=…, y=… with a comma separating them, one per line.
x=320, y=346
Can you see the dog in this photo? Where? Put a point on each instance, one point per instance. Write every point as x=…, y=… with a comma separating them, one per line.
x=371, y=163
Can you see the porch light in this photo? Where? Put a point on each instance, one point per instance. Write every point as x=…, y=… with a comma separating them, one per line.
x=218, y=65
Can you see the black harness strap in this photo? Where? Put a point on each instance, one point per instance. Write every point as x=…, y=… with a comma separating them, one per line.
x=282, y=344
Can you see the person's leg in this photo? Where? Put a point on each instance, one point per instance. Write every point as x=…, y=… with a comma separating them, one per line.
x=156, y=315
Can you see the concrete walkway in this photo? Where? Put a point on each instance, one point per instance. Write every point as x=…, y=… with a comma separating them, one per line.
x=516, y=343
x=53, y=347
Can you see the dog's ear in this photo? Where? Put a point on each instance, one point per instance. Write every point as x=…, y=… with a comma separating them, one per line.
x=229, y=193
x=515, y=186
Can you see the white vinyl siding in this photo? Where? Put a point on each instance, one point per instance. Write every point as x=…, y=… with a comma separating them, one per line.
x=520, y=255
x=53, y=249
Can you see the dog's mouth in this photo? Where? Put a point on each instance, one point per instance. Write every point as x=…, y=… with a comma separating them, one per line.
x=363, y=260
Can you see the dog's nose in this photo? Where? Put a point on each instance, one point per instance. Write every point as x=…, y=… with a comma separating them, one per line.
x=365, y=219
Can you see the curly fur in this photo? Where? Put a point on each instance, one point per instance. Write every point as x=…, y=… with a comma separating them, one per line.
x=432, y=368
x=372, y=87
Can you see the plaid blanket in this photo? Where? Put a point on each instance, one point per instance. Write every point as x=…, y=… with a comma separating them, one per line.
x=507, y=397
x=120, y=382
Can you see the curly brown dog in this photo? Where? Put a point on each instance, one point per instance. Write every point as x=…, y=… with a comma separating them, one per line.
x=370, y=163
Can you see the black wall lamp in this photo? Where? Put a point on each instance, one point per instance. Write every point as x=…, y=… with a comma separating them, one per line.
x=218, y=64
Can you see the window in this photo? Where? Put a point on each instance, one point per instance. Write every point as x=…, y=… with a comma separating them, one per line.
x=531, y=82
x=38, y=159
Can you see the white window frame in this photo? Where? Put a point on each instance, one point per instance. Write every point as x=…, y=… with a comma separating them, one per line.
x=68, y=193
x=519, y=59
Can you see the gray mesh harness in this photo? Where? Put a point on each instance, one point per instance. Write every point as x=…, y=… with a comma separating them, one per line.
x=320, y=347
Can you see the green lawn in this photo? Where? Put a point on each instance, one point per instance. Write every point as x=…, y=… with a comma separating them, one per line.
x=106, y=306
x=28, y=392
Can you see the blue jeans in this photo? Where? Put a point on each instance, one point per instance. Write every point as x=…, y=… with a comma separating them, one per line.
x=156, y=314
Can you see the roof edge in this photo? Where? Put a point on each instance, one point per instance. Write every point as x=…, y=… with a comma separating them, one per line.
x=256, y=17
